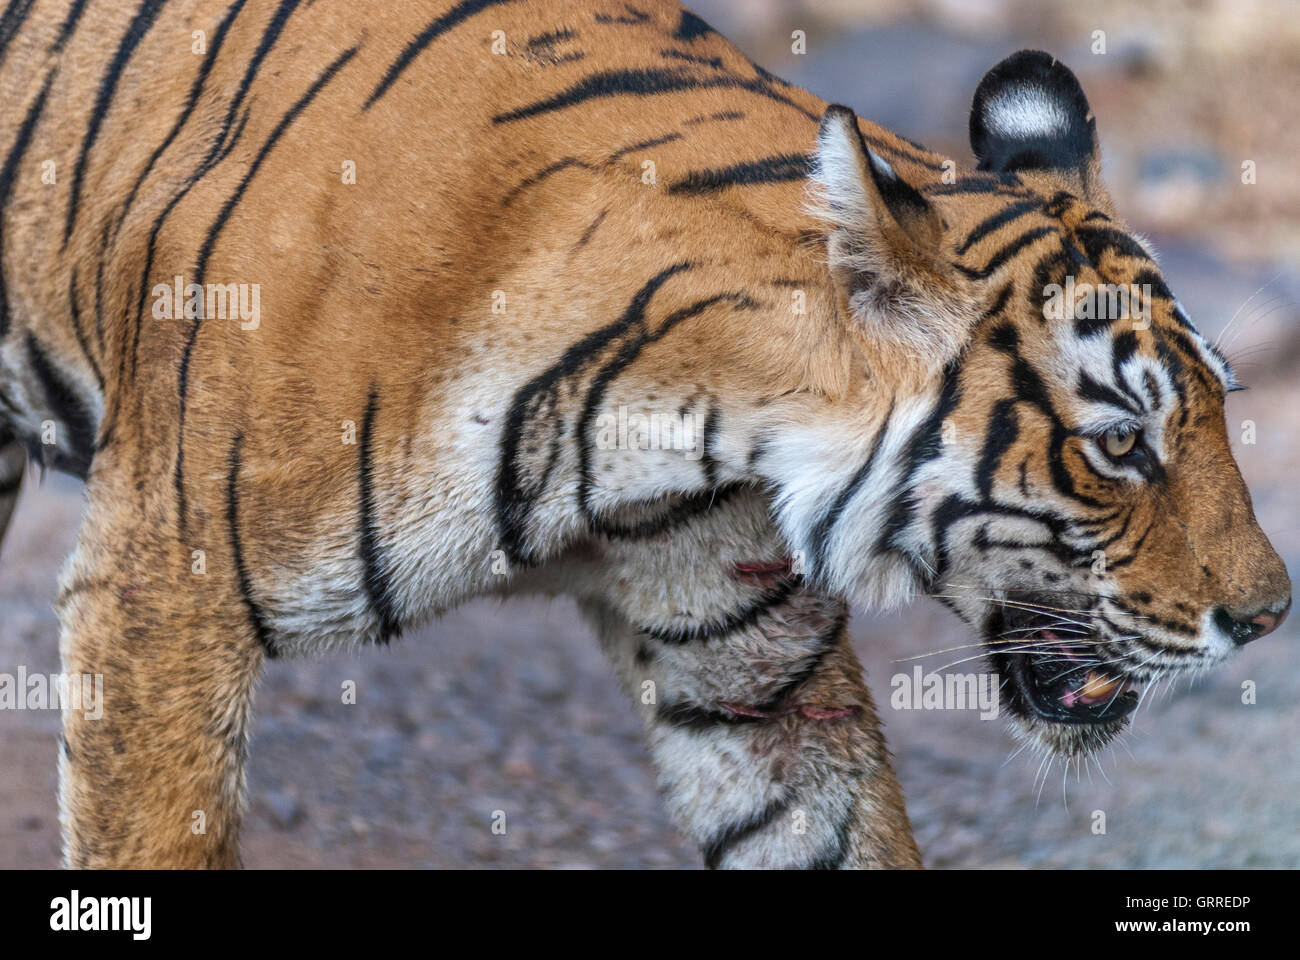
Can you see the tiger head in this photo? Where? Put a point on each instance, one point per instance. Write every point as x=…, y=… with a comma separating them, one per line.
x=1070, y=491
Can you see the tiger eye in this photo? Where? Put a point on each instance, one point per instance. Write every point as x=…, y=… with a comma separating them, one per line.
x=1119, y=442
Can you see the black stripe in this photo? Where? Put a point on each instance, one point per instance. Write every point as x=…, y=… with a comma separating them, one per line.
x=633, y=17
x=1175, y=367
x=690, y=716
x=642, y=83
x=1105, y=542
x=1196, y=363
x=1062, y=479
x=564, y=163
x=825, y=644
x=219, y=224
x=79, y=331
x=1052, y=268
x=999, y=303
x=68, y=407
x=1133, y=554
x=715, y=117
x=1152, y=389
x=1006, y=253
x=1060, y=202
x=1030, y=388
x=274, y=27
x=690, y=28
x=227, y=137
x=1098, y=241
x=11, y=21
x=1091, y=389
x=69, y=26
x=452, y=18
x=1159, y=289
x=140, y=25
x=551, y=38
x=9, y=173
x=372, y=551
x=223, y=218
x=714, y=62
x=1122, y=347
x=915, y=152
x=708, y=462
x=591, y=230
x=191, y=101
x=644, y=145
x=998, y=220
x=834, y=856
x=255, y=616
x=1003, y=431
x=955, y=509
x=628, y=353
x=679, y=514
x=717, y=627
x=925, y=445
x=1103, y=316
x=11, y=485
x=781, y=168
x=99, y=305
x=1007, y=184
x=514, y=503
x=822, y=531
x=729, y=836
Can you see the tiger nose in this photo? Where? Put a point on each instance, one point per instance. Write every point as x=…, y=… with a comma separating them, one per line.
x=1242, y=630
x=1268, y=622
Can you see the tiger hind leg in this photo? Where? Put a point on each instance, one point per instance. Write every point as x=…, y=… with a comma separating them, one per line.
x=768, y=745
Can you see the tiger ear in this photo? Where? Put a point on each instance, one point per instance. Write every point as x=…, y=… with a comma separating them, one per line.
x=885, y=245
x=866, y=196
x=1030, y=114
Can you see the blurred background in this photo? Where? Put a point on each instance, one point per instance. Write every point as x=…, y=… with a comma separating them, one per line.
x=511, y=707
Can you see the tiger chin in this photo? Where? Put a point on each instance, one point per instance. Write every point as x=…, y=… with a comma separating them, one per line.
x=466, y=268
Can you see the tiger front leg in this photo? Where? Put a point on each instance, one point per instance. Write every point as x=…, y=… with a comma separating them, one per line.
x=767, y=742
x=151, y=764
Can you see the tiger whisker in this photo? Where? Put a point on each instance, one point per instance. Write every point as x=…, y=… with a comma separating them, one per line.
x=1003, y=640
x=1036, y=607
x=1023, y=606
x=1228, y=325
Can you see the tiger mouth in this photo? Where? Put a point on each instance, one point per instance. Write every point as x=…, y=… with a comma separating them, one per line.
x=1055, y=672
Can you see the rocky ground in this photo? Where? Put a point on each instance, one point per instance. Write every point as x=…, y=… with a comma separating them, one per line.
x=510, y=706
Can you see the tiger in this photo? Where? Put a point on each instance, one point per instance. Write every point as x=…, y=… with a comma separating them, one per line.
x=490, y=240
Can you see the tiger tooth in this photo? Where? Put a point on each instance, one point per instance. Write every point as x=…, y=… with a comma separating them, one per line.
x=1098, y=685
